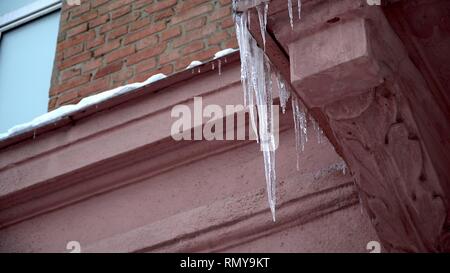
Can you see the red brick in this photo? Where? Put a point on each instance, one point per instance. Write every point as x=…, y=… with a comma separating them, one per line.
x=146, y=53
x=217, y=38
x=119, y=22
x=225, y=2
x=100, y=20
x=73, y=82
x=191, y=13
x=168, y=57
x=76, y=30
x=146, y=42
x=167, y=70
x=68, y=74
x=95, y=42
x=94, y=87
x=67, y=97
x=82, y=19
x=186, y=5
x=196, y=23
x=120, y=53
x=96, y=3
x=75, y=60
x=110, y=46
x=232, y=43
x=227, y=22
x=92, y=64
x=120, y=12
x=135, y=36
x=170, y=33
x=121, y=75
x=140, y=23
x=194, y=35
x=220, y=13
x=109, y=69
x=112, y=5
x=157, y=6
x=130, y=40
x=51, y=103
x=78, y=10
x=192, y=47
x=141, y=3
x=199, y=56
x=163, y=14
x=75, y=40
x=146, y=65
x=118, y=32
x=69, y=52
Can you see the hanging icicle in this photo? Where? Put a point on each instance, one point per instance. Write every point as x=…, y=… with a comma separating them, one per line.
x=284, y=93
x=262, y=10
x=256, y=78
x=257, y=84
x=319, y=132
x=291, y=15
x=301, y=128
x=244, y=38
x=299, y=6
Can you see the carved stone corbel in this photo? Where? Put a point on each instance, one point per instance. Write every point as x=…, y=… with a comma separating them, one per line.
x=357, y=73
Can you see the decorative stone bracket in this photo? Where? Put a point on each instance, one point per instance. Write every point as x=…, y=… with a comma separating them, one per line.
x=357, y=74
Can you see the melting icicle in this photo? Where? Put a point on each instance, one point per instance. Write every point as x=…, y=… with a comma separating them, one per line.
x=219, y=66
x=319, y=132
x=244, y=38
x=257, y=84
x=300, y=124
x=299, y=6
x=212, y=65
x=262, y=10
x=291, y=17
x=283, y=92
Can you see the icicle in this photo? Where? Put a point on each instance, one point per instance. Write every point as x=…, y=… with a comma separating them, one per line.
x=219, y=66
x=300, y=124
x=291, y=17
x=283, y=92
x=257, y=84
x=319, y=132
x=212, y=65
x=299, y=5
x=244, y=38
x=260, y=75
x=262, y=10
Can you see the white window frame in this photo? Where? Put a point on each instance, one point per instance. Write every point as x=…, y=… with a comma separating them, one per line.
x=27, y=13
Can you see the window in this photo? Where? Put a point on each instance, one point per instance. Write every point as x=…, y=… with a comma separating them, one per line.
x=28, y=33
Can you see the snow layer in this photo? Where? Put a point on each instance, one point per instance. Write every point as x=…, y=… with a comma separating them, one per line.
x=194, y=64
x=224, y=52
x=67, y=110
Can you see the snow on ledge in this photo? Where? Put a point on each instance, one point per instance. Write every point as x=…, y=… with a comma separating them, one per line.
x=224, y=52
x=66, y=110
x=193, y=64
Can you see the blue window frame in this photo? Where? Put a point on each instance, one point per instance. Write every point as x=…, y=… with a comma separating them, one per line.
x=28, y=34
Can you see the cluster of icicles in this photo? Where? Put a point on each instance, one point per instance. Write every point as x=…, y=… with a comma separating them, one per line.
x=256, y=76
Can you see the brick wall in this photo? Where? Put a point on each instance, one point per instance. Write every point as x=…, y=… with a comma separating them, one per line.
x=103, y=44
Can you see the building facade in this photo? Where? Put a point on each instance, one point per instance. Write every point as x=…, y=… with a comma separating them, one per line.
x=104, y=173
